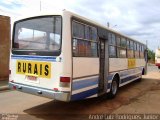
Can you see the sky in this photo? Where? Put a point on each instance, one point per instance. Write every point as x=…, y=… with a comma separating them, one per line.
x=139, y=19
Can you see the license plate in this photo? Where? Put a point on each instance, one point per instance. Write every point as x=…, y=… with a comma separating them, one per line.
x=32, y=78
x=34, y=68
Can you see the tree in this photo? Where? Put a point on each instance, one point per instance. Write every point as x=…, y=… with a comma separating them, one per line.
x=151, y=56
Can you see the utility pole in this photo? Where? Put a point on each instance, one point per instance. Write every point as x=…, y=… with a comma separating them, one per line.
x=108, y=25
x=146, y=43
x=146, y=57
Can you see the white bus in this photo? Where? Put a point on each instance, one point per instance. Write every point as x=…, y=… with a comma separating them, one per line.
x=67, y=57
x=157, y=58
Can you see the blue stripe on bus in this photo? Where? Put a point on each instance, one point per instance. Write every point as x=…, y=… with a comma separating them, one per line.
x=39, y=58
x=84, y=83
x=127, y=72
x=129, y=78
x=93, y=81
x=89, y=82
x=85, y=94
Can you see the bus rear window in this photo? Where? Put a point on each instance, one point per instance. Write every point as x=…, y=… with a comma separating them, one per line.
x=38, y=34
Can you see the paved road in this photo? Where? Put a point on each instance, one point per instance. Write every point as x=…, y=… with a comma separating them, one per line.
x=33, y=107
x=152, y=68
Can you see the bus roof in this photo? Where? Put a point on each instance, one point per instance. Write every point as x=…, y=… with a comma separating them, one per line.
x=79, y=17
x=102, y=26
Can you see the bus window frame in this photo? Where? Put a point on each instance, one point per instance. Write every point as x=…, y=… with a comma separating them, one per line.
x=36, y=52
x=79, y=21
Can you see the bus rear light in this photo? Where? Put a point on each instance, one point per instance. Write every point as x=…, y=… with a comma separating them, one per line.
x=65, y=79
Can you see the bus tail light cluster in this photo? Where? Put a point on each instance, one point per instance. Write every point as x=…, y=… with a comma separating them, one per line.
x=65, y=81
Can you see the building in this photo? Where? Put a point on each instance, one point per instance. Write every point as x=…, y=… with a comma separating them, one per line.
x=4, y=46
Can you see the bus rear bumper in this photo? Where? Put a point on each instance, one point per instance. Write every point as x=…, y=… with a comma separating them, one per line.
x=57, y=95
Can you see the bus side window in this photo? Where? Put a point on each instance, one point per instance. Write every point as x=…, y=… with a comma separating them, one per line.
x=112, y=51
x=78, y=30
x=136, y=50
x=142, y=51
x=130, y=52
x=112, y=45
x=121, y=49
x=84, y=39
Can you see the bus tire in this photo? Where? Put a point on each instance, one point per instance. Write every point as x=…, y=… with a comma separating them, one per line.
x=114, y=88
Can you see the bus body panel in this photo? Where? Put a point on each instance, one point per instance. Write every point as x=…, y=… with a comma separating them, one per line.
x=85, y=67
x=60, y=67
x=66, y=45
x=85, y=78
x=126, y=76
x=42, y=86
x=128, y=69
x=49, y=83
x=86, y=87
x=124, y=64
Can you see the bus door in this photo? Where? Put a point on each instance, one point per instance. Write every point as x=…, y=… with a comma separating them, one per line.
x=103, y=73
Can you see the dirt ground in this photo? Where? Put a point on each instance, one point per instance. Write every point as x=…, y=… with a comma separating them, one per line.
x=137, y=97
x=148, y=101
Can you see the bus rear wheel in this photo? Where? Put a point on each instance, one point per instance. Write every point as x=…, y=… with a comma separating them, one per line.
x=114, y=88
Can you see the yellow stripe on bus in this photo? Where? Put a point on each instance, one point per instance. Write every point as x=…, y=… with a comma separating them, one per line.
x=39, y=69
